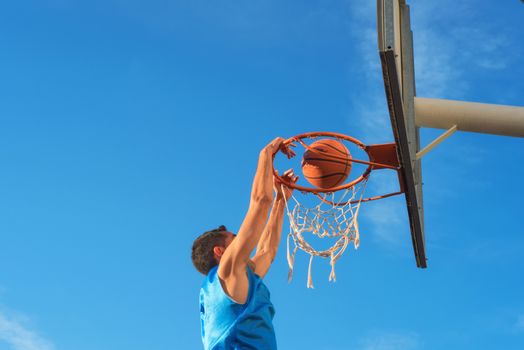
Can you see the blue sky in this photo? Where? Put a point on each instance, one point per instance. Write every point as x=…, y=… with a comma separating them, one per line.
x=130, y=127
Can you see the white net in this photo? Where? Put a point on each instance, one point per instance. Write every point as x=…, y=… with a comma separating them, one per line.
x=334, y=217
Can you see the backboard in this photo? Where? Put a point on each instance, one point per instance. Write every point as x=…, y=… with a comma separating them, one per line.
x=395, y=42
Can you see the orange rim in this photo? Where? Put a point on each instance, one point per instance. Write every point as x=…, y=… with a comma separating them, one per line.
x=365, y=174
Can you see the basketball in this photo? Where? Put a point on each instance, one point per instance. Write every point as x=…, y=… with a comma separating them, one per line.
x=326, y=164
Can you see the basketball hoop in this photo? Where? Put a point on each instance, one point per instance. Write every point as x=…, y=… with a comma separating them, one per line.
x=335, y=215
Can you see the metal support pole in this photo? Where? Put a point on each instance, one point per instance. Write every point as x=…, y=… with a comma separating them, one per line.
x=469, y=116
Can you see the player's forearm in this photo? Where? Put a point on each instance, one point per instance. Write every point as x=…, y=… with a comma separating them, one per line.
x=251, y=230
x=262, y=189
x=260, y=204
x=270, y=238
x=261, y=196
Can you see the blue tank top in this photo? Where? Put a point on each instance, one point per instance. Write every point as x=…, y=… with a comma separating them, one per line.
x=228, y=325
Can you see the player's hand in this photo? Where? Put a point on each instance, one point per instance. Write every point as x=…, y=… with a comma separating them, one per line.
x=287, y=149
x=278, y=145
x=273, y=146
x=282, y=190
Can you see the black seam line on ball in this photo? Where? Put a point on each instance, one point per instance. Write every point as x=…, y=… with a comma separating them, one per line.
x=324, y=176
x=326, y=160
x=333, y=147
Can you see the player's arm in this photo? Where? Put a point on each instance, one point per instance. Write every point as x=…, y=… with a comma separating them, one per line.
x=232, y=267
x=269, y=241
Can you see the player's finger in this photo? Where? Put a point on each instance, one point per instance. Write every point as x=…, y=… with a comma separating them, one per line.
x=287, y=150
x=290, y=177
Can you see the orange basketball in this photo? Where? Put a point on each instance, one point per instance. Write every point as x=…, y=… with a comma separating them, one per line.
x=326, y=164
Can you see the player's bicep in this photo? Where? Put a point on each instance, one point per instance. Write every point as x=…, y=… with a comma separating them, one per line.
x=238, y=252
x=236, y=287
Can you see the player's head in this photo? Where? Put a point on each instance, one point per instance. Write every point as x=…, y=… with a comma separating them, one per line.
x=209, y=247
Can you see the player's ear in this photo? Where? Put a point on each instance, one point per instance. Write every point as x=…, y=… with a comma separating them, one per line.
x=218, y=251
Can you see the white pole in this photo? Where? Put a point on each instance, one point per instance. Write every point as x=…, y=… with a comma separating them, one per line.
x=436, y=142
x=469, y=116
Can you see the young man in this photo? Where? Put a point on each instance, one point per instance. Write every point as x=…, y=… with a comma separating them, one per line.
x=235, y=309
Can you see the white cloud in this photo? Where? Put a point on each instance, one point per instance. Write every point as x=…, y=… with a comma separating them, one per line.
x=482, y=48
x=436, y=73
x=390, y=341
x=368, y=100
x=20, y=337
x=451, y=46
x=389, y=222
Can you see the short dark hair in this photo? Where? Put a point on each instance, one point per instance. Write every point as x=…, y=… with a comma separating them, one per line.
x=202, y=253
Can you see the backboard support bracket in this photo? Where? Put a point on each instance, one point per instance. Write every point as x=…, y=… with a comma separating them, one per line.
x=436, y=142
